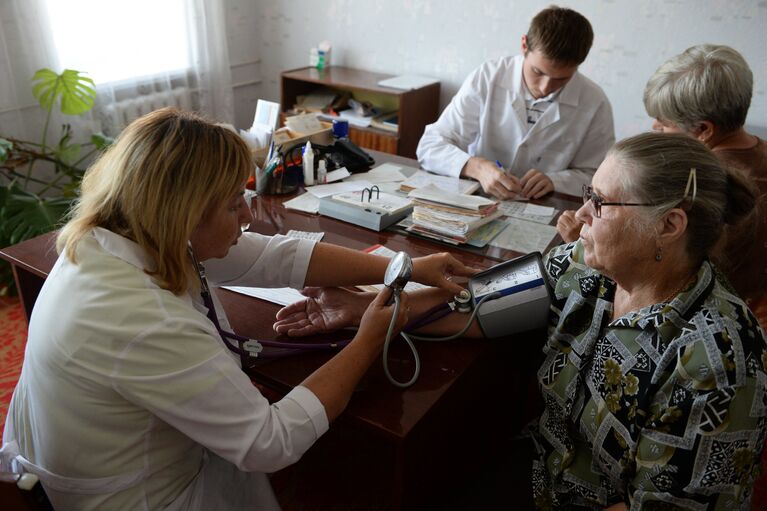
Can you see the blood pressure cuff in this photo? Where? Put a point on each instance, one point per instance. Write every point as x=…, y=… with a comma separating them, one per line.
x=523, y=296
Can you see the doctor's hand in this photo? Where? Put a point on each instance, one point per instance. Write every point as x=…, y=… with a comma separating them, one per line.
x=568, y=227
x=375, y=321
x=325, y=309
x=536, y=184
x=439, y=269
x=494, y=181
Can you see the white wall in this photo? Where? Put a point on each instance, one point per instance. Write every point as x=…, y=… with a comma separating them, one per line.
x=448, y=38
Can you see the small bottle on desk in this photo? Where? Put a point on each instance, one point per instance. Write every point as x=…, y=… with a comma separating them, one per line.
x=322, y=172
x=308, y=163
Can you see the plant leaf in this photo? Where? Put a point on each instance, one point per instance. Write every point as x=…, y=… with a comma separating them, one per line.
x=26, y=215
x=101, y=141
x=77, y=92
x=5, y=147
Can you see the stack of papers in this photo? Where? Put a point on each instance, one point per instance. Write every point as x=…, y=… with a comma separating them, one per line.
x=445, y=183
x=450, y=217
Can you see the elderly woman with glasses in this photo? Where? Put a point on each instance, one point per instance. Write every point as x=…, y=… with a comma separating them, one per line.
x=655, y=374
x=705, y=92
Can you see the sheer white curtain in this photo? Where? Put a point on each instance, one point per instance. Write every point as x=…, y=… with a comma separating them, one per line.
x=28, y=42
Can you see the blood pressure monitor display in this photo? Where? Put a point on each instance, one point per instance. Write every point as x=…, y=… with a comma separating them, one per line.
x=509, y=279
x=522, y=296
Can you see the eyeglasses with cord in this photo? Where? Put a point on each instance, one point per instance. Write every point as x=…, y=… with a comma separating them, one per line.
x=589, y=195
x=250, y=348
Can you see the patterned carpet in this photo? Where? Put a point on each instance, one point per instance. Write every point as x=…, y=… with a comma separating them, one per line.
x=13, y=339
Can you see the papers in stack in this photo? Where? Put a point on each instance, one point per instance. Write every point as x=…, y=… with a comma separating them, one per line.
x=446, y=183
x=450, y=217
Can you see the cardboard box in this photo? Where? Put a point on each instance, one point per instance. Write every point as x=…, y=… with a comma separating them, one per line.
x=285, y=139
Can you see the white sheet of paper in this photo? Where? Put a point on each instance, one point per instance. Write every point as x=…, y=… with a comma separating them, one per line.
x=524, y=236
x=305, y=202
x=459, y=200
x=334, y=188
x=305, y=235
x=337, y=175
x=279, y=295
x=520, y=210
x=535, y=209
x=384, y=173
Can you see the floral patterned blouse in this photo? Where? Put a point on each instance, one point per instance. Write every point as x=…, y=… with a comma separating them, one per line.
x=663, y=408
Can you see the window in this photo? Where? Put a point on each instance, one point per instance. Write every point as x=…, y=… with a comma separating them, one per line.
x=113, y=41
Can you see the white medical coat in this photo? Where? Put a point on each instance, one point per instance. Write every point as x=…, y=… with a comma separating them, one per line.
x=128, y=398
x=487, y=118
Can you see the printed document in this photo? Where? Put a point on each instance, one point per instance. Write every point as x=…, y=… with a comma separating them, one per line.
x=525, y=236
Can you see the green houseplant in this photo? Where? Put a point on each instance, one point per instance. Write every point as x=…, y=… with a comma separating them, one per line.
x=40, y=180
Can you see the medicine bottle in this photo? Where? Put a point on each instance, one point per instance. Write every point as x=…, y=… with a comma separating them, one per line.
x=322, y=172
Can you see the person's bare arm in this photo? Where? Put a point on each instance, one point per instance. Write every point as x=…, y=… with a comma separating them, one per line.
x=333, y=265
x=329, y=309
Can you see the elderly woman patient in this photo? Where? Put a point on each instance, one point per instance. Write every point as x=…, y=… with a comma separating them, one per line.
x=706, y=92
x=655, y=374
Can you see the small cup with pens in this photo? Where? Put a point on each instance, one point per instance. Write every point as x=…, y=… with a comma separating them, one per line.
x=277, y=176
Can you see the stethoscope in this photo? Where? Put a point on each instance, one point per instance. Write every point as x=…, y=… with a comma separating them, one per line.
x=246, y=347
x=397, y=275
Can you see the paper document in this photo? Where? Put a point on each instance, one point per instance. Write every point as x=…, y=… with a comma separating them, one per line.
x=432, y=193
x=336, y=175
x=525, y=211
x=305, y=235
x=407, y=82
x=305, y=202
x=279, y=295
x=449, y=184
x=524, y=236
x=334, y=188
x=385, y=173
x=354, y=118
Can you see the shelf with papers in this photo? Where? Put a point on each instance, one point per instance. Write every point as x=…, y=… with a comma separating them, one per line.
x=415, y=108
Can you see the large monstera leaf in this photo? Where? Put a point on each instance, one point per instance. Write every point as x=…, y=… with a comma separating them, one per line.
x=77, y=91
x=25, y=215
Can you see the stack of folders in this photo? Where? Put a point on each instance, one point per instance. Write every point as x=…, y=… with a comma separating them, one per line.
x=450, y=217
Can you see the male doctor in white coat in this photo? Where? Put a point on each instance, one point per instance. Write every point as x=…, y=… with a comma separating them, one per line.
x=530, y=124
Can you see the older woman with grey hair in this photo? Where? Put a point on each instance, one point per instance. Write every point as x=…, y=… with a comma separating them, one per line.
x=655, y=373
x=705, y=92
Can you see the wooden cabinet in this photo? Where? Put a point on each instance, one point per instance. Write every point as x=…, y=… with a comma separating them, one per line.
x=417, y=107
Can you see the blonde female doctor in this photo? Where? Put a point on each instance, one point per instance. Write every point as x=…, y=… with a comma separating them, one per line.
x=128, y=397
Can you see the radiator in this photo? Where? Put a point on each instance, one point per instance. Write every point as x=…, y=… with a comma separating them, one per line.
x=121, y=113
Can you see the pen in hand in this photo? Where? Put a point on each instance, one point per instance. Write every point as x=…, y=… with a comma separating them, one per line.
x=500, y=167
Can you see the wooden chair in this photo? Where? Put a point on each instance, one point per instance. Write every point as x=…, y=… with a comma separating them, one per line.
x=22, y=493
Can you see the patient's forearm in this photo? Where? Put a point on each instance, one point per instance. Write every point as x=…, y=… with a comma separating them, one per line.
x=422, y=300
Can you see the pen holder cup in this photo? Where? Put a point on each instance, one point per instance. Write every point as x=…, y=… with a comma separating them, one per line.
x=278, y=183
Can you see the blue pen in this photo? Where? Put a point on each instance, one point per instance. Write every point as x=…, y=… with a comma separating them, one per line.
x=500, y=167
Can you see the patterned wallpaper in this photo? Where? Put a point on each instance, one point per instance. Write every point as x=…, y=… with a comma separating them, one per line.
x=446, y=39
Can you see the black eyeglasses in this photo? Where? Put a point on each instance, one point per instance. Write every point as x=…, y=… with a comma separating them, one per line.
x=597, y=202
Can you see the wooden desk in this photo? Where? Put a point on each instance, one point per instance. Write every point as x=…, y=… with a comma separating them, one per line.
x=390, y=449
